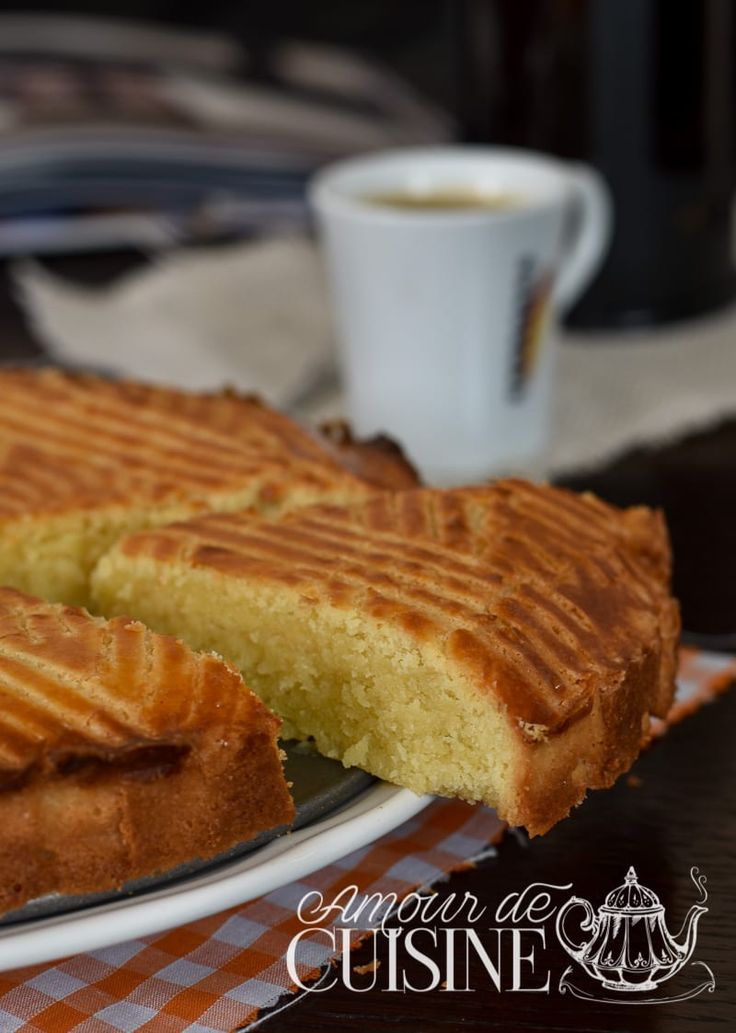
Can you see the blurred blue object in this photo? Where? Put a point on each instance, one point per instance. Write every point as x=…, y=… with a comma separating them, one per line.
x=115, y=133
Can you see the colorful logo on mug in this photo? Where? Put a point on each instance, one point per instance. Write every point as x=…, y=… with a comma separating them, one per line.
x=534, y=290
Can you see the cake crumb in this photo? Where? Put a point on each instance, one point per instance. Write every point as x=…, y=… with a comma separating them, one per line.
x=634, y=782
x=371, y=966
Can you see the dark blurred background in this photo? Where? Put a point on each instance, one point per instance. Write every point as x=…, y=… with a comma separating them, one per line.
x=643, y=89
x=414, y=36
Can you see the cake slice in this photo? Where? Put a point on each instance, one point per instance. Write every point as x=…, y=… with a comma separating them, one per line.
x=503, y=644
x=84, y=460
x=122, y=753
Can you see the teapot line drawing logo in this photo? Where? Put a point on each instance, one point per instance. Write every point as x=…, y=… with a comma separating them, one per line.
x=630, y=949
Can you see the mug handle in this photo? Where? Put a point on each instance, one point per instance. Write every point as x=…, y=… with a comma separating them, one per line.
x=592, y=198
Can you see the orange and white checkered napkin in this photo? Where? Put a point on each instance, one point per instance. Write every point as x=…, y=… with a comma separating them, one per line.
x=214, y=975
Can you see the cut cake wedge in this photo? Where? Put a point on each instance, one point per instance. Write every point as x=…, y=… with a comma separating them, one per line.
x=504, y=644
x=122, y=753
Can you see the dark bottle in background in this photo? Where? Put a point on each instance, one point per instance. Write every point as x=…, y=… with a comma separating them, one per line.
x=643, y=90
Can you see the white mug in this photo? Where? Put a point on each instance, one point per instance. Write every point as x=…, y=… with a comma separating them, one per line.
x=446, y=317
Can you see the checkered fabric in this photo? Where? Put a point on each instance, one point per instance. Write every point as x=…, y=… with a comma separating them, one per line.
x=215, y=975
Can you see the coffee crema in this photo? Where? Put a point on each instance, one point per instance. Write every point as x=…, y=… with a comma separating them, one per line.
x=450, y=199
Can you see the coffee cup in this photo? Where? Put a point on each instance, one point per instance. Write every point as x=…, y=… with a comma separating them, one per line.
x=449, y=269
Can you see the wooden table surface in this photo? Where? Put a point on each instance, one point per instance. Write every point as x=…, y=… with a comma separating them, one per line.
x=680, y=810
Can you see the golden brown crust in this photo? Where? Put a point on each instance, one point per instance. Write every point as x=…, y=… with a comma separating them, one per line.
x=73, y=441
x=121, y=752
x=556, y=605
x=555, y=774
x=537, y=591
x=379, y=461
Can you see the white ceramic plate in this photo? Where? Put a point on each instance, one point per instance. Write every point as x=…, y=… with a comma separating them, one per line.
x=376, y=811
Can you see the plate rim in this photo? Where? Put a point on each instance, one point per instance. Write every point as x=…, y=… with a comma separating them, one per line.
x=289, y=857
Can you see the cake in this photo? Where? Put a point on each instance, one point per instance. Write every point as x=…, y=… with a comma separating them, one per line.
x=504, y=644
x=84, y=460
x=378, y=461
x=122, y=753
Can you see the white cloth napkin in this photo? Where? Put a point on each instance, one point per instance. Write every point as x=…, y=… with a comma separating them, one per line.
x=616, y=391
x=250, y=315
x=256, y=316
